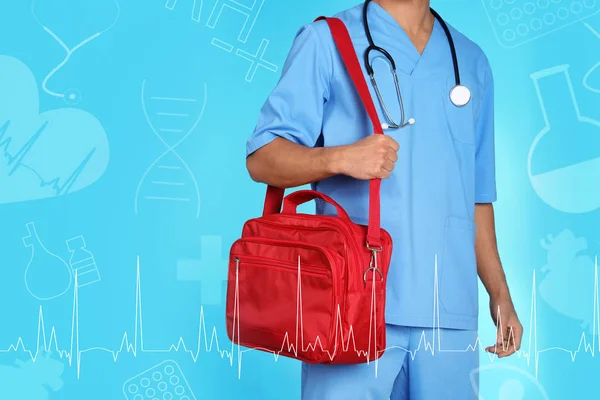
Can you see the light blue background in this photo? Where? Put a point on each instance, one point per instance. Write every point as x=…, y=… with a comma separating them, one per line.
x=169, y=47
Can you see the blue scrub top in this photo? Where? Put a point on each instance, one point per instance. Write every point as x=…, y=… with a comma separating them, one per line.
x=445, y=165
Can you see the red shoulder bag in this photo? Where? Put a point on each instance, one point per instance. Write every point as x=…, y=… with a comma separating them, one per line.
x=312, y=287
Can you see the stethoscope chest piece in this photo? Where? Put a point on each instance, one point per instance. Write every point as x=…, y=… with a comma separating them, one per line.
x=460, y=95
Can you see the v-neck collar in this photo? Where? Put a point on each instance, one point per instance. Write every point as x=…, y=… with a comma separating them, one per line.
x=382, y=22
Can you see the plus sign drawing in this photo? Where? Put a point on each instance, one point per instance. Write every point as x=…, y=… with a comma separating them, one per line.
x=210, y=270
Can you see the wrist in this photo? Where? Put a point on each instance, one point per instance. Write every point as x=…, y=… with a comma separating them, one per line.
x=335, y=160
x=500, y=295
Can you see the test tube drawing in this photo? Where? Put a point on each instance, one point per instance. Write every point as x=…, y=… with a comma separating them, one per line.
x=82, y=262
x=172, y=119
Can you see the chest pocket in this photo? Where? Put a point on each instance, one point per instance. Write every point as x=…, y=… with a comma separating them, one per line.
x=460, y=120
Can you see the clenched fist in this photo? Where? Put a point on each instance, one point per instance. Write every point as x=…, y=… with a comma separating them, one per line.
x=371, y=157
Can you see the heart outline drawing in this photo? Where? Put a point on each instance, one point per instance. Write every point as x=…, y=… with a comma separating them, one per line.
x=48, y=154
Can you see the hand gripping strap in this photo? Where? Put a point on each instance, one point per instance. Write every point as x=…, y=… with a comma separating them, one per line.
x=345, y=47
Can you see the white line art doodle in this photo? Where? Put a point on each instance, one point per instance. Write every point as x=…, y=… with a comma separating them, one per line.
x=70, y=96
x=568, y=185
x=251, y=13
x=47, y=276
x=516, y=22
x=165, y=379
x=82, y=262
x=207, y=339
x=196, y=8
x=176, y=118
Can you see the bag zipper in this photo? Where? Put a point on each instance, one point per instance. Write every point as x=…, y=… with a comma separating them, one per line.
x=346, y=231
x=282, y=265
x=326, y=252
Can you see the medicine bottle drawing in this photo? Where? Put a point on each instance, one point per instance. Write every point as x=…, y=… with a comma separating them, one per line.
x=82, y=262
x=47, y=276
x=564, y=159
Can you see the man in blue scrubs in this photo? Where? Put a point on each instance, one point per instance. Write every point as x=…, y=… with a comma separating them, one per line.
x=438, y=185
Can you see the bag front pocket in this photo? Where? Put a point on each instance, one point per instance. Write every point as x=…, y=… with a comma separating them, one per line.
x=281, y=296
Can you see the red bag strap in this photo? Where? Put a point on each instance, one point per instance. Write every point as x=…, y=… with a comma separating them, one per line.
x=344, y=44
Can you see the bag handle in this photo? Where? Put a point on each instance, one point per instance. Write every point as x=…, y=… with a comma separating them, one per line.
x=345, y=47
x=293, y=200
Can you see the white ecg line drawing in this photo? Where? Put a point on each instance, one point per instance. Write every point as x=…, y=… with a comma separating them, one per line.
x=170, y=149
x=70, y=96
x=44, y=269
x=166, y=379
x=196, y=8
x=82, y=262
x=210, y=342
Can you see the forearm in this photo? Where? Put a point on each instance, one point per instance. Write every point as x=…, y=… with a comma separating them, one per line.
x=489, y=266
x=285, y=164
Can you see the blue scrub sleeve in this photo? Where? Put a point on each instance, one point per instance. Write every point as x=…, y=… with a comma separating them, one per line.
x=294, y=109
x=485, y=160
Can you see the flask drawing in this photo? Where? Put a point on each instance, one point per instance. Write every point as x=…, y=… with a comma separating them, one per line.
x=564, y=159
x=47, y=276
x=82, y=262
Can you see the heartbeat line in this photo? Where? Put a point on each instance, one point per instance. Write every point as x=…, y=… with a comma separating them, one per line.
x=233, y=353
x=15, y=161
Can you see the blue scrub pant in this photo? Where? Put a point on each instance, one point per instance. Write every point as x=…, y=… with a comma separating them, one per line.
x=445, y=374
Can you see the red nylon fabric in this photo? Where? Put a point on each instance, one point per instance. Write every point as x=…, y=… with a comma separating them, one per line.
x=346, y=49
x=306, y=286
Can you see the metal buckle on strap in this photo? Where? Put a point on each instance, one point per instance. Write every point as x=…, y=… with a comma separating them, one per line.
x=374, y=269
x=373, y=265
x=374, y=249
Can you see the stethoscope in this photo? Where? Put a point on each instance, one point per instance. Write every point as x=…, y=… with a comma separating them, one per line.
x=460, y=95
x=70, y=96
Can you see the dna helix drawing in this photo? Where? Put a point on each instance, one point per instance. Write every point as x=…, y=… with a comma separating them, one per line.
x=172, y=119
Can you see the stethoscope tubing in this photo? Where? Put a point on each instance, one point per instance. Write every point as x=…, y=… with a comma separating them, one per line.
x=459, y=94
x=373, y=47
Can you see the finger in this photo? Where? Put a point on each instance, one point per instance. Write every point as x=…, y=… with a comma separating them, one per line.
x=388, y=166
x=392, y=143
x=506, y=353
x=499, y=351
x=491, y=349
x=518, y=333
x=508, y=342
x=392, y=156
x=384, y=174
